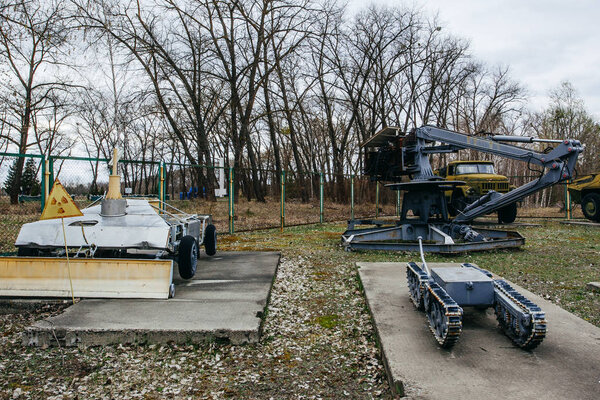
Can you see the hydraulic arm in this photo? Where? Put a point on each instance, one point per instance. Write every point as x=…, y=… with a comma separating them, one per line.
x=391, y=155
x=557, y=165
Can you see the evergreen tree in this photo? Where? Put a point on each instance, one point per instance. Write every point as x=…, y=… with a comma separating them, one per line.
x=29, y=182
x=10, y=179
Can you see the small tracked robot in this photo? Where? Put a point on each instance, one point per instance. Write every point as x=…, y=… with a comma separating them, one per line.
x=442, y=292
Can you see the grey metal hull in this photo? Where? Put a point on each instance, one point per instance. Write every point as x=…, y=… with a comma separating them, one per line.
x=141, y=227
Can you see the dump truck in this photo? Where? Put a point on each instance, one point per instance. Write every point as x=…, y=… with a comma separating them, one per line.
x=586, y=191
x=480, y=178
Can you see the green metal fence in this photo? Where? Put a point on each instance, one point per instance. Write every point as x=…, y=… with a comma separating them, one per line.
x=29, y=196
x=84, y=178
x=228, y=194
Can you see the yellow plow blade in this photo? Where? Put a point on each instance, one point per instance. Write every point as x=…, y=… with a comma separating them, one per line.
x=100, y=277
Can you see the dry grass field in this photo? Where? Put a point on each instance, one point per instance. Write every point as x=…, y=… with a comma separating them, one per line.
x=249, y=215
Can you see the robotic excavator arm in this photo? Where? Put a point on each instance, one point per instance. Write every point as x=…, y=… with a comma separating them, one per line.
x=397, y=155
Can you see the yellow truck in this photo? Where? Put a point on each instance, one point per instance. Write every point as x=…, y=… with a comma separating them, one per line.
x=586, y=191
x=479, y=178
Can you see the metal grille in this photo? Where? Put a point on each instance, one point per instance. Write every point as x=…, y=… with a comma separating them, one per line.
x=497, y=186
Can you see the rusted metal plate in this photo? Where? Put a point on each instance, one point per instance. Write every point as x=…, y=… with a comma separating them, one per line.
x=440, y=248
x=383, y=137
x=581, y=223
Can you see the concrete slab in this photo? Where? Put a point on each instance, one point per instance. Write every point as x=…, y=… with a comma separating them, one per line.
x=225, y=301
x=484, y=363
x=581, y=223
x=495, y=224
x=594, y=286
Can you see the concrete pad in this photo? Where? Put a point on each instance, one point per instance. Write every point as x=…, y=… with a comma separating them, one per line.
x=484, y=363
x=581, y=223
x=495, y=224
x=225, y=301
x=594, y=286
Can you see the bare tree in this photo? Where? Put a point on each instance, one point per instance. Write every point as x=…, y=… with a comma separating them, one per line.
x=567, y=117
x=32, y=35
x=50, y=137
x=167, y=42
x=279, y=84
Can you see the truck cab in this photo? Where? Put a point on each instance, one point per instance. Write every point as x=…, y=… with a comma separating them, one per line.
x=480, y=178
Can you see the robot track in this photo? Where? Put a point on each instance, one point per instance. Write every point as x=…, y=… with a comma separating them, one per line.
x=443, y=313
x=520, y=319
x=417, y=279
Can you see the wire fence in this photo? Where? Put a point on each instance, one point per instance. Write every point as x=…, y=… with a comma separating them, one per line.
x=238, y=199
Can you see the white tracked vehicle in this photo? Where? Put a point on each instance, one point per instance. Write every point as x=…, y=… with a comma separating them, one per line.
x=118, y=248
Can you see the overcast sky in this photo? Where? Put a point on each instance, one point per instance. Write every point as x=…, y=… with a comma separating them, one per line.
x=543, y=41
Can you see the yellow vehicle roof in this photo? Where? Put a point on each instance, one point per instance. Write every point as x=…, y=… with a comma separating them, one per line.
x=470, y=162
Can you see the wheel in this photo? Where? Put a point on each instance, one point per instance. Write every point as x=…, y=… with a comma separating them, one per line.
x=508, y=214
x=27, y=252
x=188, y=257
x=590, y=205
x=210, y=240
x=414, y=289
x=458, y=202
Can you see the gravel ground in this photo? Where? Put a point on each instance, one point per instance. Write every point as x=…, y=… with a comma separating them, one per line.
x=318, y=342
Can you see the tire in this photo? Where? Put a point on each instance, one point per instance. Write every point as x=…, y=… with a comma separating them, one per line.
x=188, y=257
x=508, y=214
x=210, y=240
x=590, y=205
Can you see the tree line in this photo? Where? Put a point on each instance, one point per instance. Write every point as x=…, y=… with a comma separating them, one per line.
x=266, y=85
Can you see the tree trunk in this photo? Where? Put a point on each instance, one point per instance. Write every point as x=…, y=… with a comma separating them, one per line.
x=291, y=127
x=272, y=132
x=25, y=121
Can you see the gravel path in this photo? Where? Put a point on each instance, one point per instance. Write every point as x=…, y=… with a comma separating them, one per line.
x=318, y=342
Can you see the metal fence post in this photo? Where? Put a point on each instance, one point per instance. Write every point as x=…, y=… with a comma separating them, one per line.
x=47, y=181
x=397, y=203
x=51, y=170
x=321, y=197
x=377, y=199
x=158, y=184
x=164, y=185
x=161, y=187
x=351, y=196
x=231, y=201
x=282, y=200
x=568, y=214
x=44, y=183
